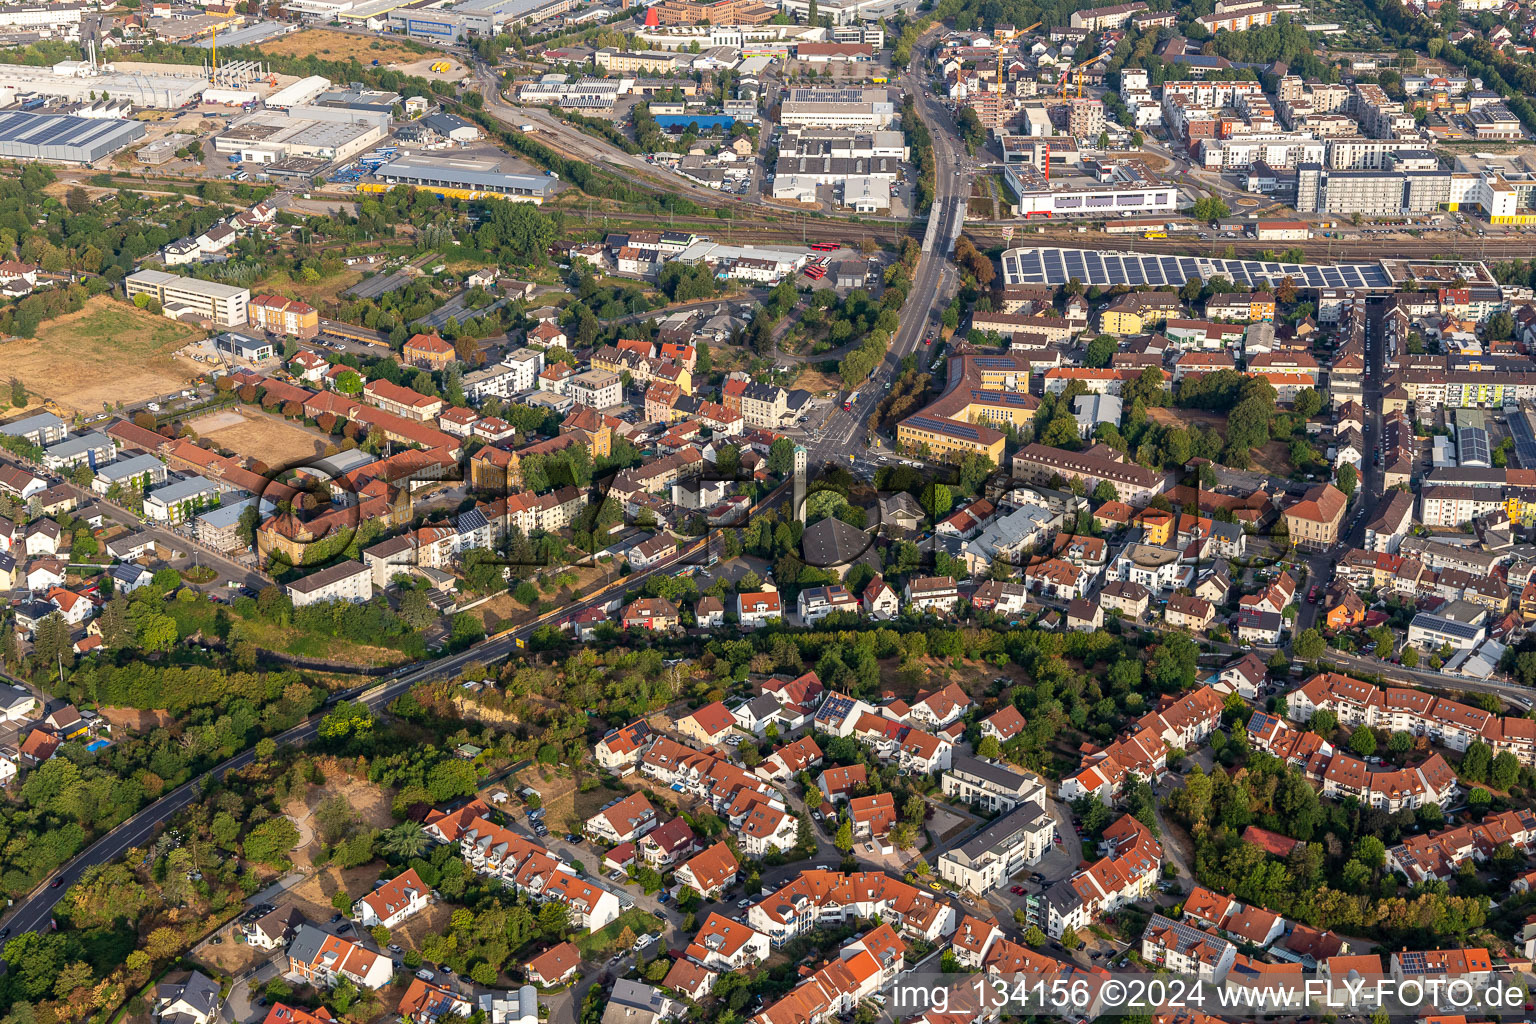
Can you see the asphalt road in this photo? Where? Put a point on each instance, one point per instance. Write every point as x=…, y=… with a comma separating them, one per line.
x=935, y=277
x=35, y=912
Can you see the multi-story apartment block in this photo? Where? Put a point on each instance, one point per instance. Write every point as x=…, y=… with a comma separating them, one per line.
x=349, y=581
x=1447, y=722
x=991, y=786
x=223, y=304
x=820, y=899
x=599, y=389
x=1001, y=850
x=278, y=315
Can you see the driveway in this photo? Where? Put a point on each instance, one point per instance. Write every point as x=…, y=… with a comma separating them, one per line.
x=240, y=1006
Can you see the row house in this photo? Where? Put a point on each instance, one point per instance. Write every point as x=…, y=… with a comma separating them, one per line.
x=1437, y=856
x=521, y=864
x=1446, y=722
x=817, y=899
x=749, y=804
x=1179, y=722
x=861, y=968
x=1007, y=599
x=325, y=960
x=1057, y=578
x=1225, y=915
x=1128, y=872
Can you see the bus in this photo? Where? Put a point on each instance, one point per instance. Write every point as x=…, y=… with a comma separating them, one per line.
x=815, y=273
x=825, y=246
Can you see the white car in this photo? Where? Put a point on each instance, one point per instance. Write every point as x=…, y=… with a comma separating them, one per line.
x=744, y=903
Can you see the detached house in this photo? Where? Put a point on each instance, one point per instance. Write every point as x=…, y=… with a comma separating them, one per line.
x=759, y=609
x=393, y=902
x=323, y=960
x=711, y=872
x=879, y=600
x=709, y=725
x=555, y=966
x=940, y=708
x=623, y=820
x=726, y=945
x=1003, y=724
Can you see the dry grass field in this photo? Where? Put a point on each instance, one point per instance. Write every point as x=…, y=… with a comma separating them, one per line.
x=340, y=46
x=107, y=352
x=260, y=437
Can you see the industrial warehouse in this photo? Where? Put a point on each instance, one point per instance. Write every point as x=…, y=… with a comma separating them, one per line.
x=460, y=179
x=62, y=138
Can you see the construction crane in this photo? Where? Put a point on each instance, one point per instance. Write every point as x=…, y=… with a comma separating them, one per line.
x=1062, y=85
x=1000, y=64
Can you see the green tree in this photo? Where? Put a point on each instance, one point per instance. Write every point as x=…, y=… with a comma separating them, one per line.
x=1309, y=646
x=1347, y=479
x=1363, y=742
x=844, y=838
x=269, y=842
x=1101, y=351
x=1209, y=209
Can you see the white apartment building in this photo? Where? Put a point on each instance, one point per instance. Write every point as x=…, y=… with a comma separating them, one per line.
x=223, y=304
x=1002, y=849
x=599, y=389
x=346, y=581
x=992, y=787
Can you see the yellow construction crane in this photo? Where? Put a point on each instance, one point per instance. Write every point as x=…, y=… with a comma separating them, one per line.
x=1062, y=85
x=1000, y=64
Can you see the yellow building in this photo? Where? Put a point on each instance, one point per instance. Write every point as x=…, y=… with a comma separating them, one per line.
x=1120, y=322
x=949, y=440
x=1156, y=526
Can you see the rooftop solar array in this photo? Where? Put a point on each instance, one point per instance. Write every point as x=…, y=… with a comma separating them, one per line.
x=954, y=428
x=1106, y=269
x=1472, y=445
x=1440, y=624
x=836, y=706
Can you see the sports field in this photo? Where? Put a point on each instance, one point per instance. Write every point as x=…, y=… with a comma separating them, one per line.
x=108, y=352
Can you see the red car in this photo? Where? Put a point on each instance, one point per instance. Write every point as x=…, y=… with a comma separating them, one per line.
x=1017, y=890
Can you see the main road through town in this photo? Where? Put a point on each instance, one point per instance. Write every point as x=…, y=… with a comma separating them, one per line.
x=932, y=284
x=36, y=911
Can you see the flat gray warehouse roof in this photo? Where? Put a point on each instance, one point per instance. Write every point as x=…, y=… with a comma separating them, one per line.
x=60, y=137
